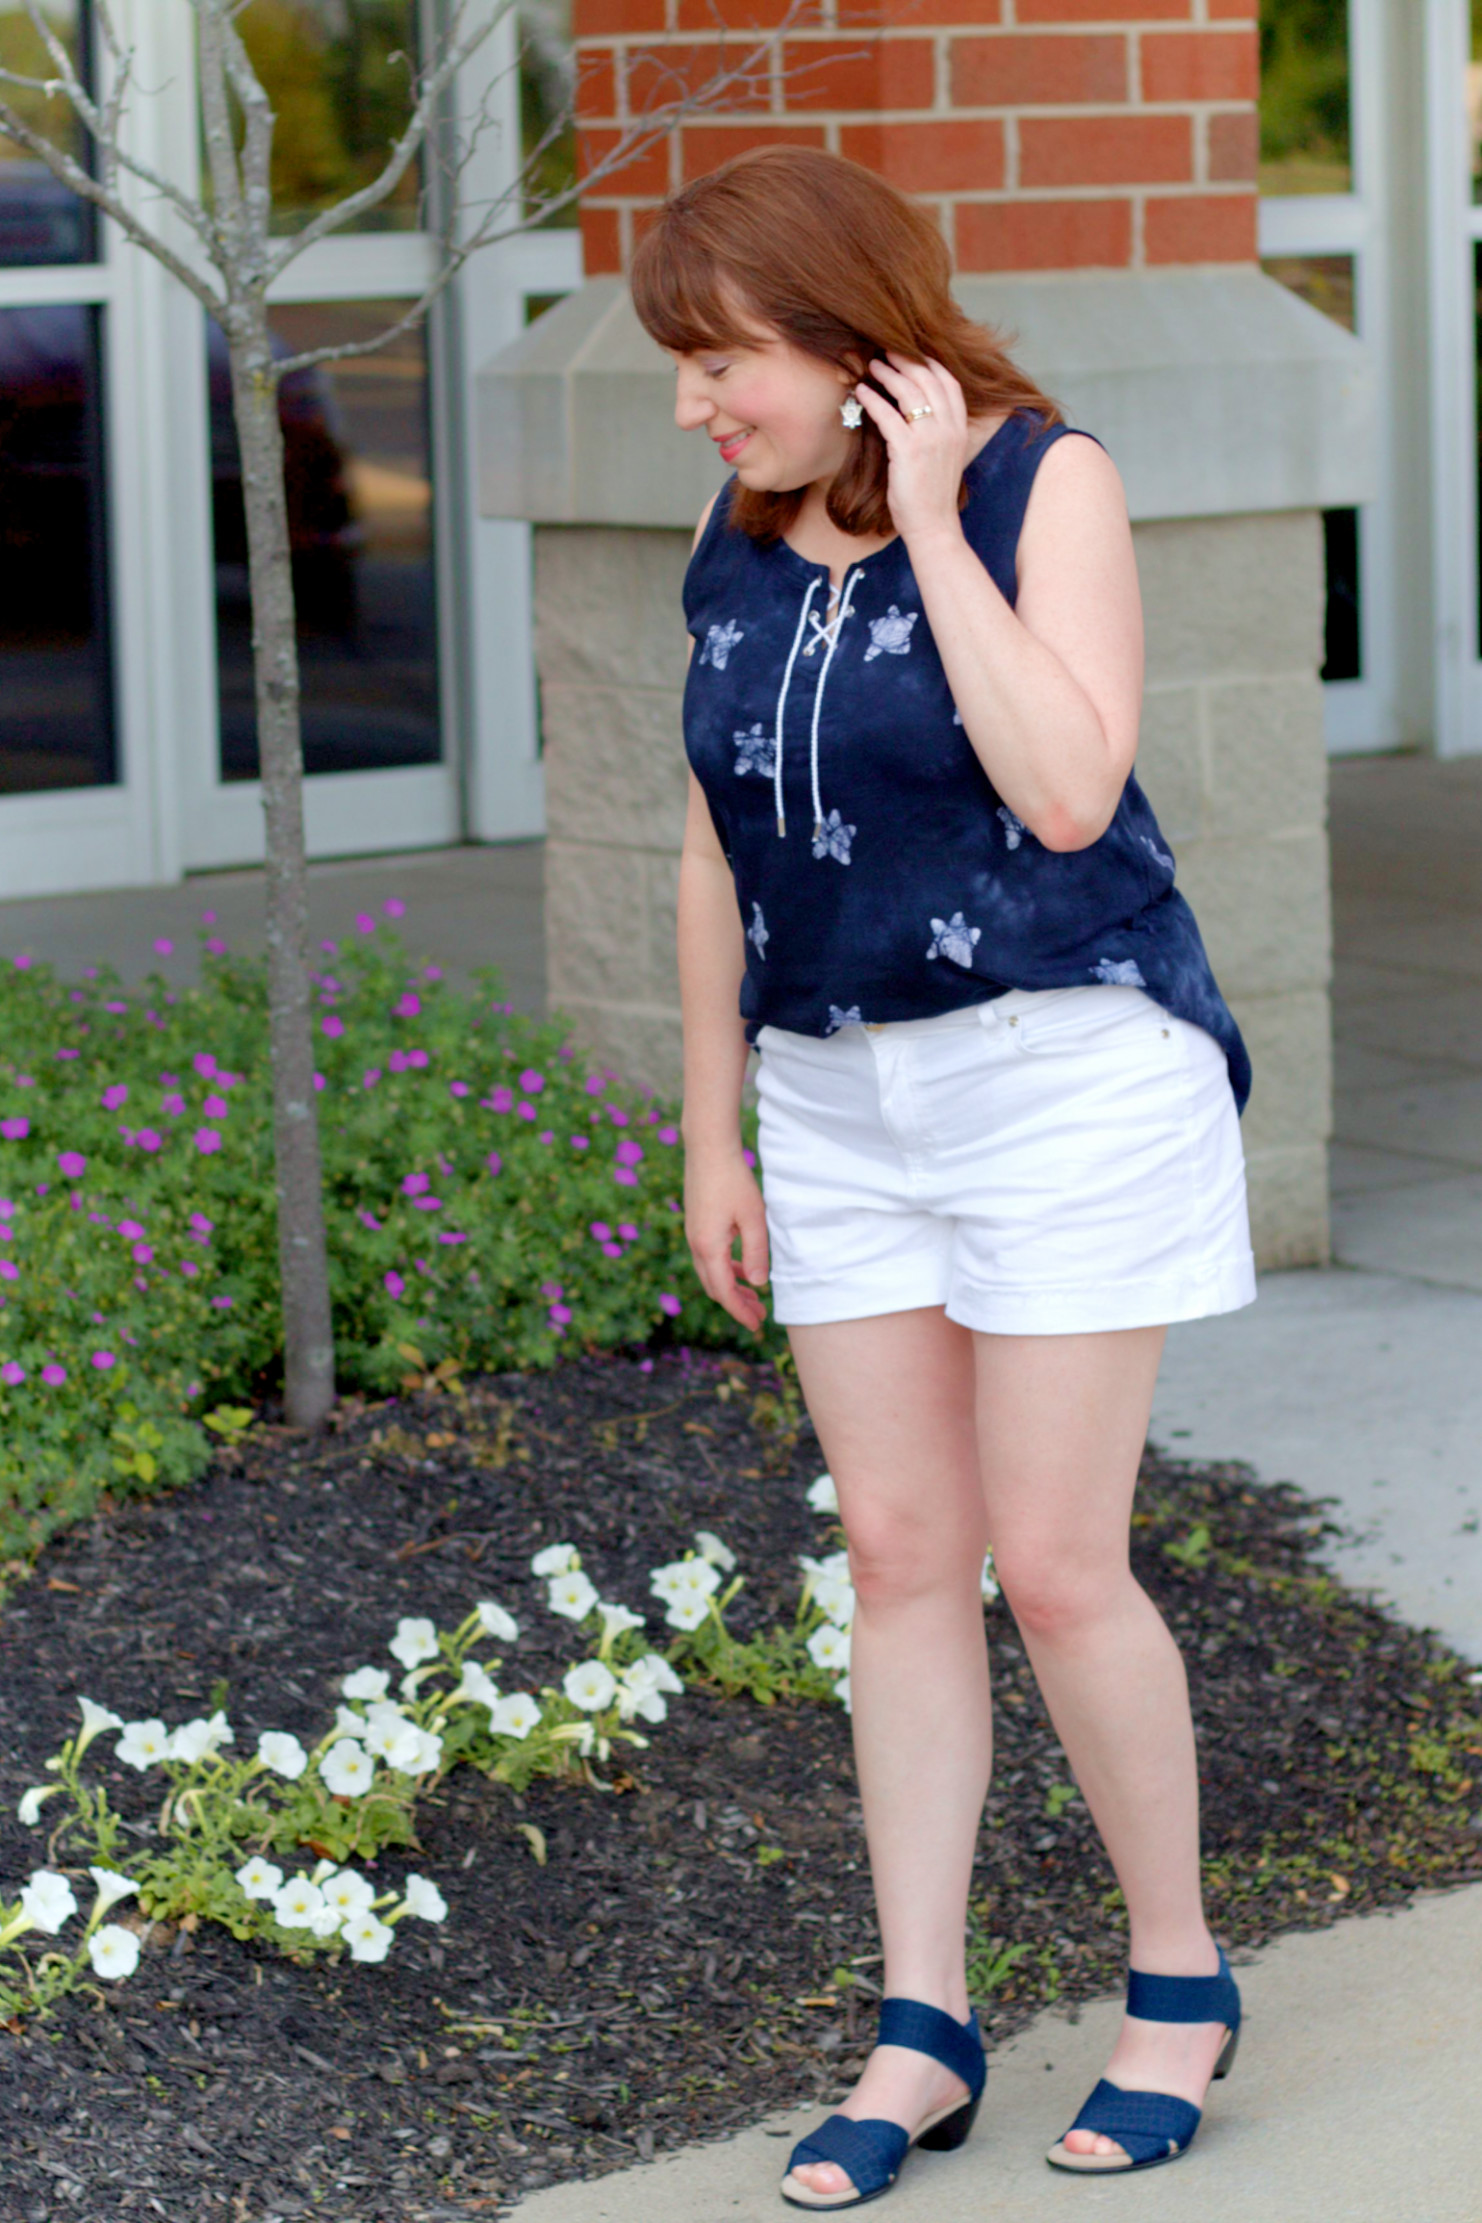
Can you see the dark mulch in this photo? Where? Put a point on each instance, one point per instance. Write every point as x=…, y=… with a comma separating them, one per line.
x=681, y=1964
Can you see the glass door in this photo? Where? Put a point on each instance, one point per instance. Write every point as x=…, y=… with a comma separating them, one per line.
x=1454, y=149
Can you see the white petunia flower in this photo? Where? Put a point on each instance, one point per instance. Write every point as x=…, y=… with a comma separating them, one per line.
x=427, y=1757
x=640, y=1704
x=111, y=1888
x=711, y=1548
x=199, y=1740
x=368, y=1938
x=396, y=1742
x=29, y=1810
x=617, y=1619
x=556, y=1559
x=282, y=1753
x=260, y=1879
x=348, y=1723
x=326, y=1922
x=386, y=1709
x=477, y=1685
x=836, y=1599
x=843, y=1693
x=988, y=1580
x=113, y=1951
x=95, y=1719
x=652, y=1673
x=415, y=1640
x=515, y=1716
x=687, y=1613
x=143, y=1744
x=828, y=1647
x=295, y=1904
x=47, y=1901
x=347, y=1891
x=823, y=1494
x=572, y=1596
x=495, y=1622
x=684, y=1578
x=590, y=1685
x=412, y=1683
x=424, y=1900
x=346, y=1771
x=366, y=1682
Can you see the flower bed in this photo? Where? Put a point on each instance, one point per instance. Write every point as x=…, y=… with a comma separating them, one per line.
x=491, y=1199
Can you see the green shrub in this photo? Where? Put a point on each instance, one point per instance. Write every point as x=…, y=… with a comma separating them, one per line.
x=493, y=1200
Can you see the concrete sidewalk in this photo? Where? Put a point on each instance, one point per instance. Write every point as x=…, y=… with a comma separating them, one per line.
x=1355, y=2099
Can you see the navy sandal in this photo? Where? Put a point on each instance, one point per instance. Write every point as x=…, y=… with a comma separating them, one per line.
x=1153, y=2127
x=871, y=2152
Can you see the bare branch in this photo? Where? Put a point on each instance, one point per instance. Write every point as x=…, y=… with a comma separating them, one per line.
x=72, y=174
x=255, y=163
x=431, y=86
x=221, y=152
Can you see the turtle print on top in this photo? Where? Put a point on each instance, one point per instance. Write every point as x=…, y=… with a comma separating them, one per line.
x=855, y=756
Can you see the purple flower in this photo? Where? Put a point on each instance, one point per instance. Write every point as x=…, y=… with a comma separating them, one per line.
x=617, y=1115
x=526, y=1111
x=147, y=1139
x=628, y=1231
x=645, y=1366
x=428, y=1204
x=365, y=922
x=163, y=947
x=550, y=1290
x=172, y=1105
x=143, y=1254
x=332, y=1024
x=330, y=947
x=208, y=918
x=499, y=1100
x=432, y=972
x=214, y=1107
x=613, y=1250
x=545, y=1136
x=560, y=1314
x=625, y=1177
x=749, y=1156
x=43, y=1188
x=72, y=1163
x=448, y=1235
x=130, y=1229
x=416, y=1057
x=494, y=1161
x=671, y=1305
x=394, y=1283
x=407, y=1006
x=457, y=1088
x=600, y=1232
x=15, y=1130
x=595, y=1084
x=13, y=1373
x=204, y=1063
x=215, y=947
x=393, y=907
x=371, y=1076
x=116, y=1007
x=223, y=1304
x=416, y=1184
x=669, y=1135
x=9, y=1270
x=397, y=1061
x=628, y=1152
x=103, y=1360
x=580, y=1142
x=201, y=1225
x=207, y=1140
x=320, y=1081
x=531, y=1081
x=23, y=963
x=368, y=1219
x=54, y=1375
x=69, y=1053
x=189, y=1268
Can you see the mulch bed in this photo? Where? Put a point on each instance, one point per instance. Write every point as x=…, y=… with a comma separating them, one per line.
x=699, y=1947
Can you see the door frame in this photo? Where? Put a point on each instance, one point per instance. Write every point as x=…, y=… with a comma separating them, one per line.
x=1454, y=230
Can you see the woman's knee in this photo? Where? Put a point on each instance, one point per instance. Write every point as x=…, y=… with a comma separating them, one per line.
x=896, y=1555
x=1056, y=1595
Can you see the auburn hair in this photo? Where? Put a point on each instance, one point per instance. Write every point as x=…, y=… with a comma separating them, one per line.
x=842, y=265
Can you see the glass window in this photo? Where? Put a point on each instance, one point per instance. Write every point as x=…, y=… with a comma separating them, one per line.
x=56, y=694
x=40, y=221
x=339, y=74
x=359, y=476
x=1305, y=136
x=547, y=75
x=1326, y=282
x=1474, y=99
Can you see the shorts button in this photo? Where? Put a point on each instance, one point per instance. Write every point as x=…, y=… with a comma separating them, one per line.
x=1014, y=1019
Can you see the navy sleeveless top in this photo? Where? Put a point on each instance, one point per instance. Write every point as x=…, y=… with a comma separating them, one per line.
x=879, y=874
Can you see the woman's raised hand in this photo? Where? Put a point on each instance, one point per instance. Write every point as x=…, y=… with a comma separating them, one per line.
x=722, y=1203
x=927, y=454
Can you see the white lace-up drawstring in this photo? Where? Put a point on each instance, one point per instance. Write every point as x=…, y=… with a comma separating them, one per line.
x=850, y=583
x=827, y=631
x=797, y=642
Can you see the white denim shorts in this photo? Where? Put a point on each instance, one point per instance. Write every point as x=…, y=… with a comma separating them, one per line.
x=1056, y=1162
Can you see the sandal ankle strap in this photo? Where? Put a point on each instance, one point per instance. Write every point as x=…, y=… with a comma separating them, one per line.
x=1185, y=1998
x=922, y=2029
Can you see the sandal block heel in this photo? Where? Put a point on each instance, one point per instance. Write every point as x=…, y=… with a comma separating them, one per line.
x=1228, y=2051
x=953, y=2130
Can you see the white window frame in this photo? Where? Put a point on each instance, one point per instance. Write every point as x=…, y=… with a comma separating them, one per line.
x=1455, y=228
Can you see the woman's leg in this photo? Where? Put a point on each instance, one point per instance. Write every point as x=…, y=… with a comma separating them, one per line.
x=1061, y=1425
x=892, y=1400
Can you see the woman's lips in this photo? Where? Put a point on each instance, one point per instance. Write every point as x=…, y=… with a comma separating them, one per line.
x=730, y=448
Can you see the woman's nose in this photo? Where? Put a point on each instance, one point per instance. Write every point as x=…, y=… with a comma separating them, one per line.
x=692, y=407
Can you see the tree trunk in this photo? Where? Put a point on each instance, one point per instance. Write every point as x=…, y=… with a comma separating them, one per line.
x=308, y=1330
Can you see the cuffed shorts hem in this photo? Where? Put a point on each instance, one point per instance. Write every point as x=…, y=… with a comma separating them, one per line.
x=989, y=1311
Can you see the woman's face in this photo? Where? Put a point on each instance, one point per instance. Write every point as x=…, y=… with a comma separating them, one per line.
x=772, y=411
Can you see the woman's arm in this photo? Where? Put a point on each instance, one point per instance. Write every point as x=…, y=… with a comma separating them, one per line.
x=1050, y=692
x=722, y=1201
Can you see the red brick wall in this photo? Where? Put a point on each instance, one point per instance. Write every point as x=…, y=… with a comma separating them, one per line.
x=1048, y=134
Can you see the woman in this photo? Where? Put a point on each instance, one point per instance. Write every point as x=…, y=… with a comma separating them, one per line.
x=999, y=1086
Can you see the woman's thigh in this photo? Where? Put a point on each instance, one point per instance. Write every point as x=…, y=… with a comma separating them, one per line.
x=892, y=1398
x=1061, y=1425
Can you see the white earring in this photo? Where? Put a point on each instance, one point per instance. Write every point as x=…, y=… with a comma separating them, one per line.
x=851, y=409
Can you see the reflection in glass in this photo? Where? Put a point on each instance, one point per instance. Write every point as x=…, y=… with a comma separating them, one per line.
x=1305, y=142
x=1325, y=282
x=56, y=696
x=547, y=73
x=40, y=221
x=339, y=75
x=359, y=476
x=1474, y=99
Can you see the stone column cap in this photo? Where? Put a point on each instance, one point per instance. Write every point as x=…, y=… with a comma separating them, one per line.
x=1215, y=389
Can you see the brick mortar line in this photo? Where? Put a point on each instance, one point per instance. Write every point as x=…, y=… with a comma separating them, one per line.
x=896, y=34
x=1200, y=111
x=995, y=197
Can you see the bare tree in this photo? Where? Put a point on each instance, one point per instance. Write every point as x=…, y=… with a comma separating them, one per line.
x=226, y=253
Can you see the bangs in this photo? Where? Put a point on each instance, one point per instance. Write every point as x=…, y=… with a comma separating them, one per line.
x=685, y=299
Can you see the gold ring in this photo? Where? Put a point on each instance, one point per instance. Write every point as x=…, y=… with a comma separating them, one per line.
x=924, y=411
